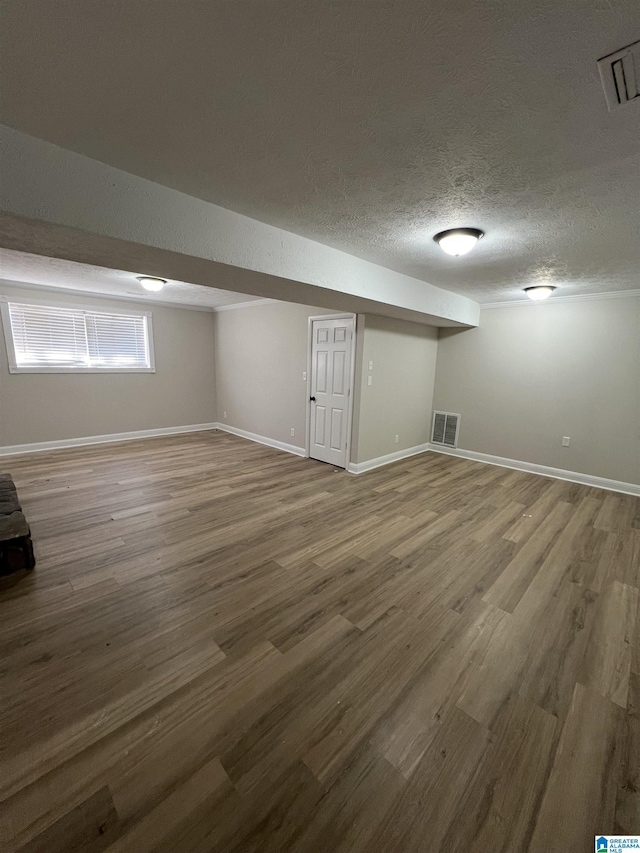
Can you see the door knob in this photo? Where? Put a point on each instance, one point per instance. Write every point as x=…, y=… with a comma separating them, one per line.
x=313, y=399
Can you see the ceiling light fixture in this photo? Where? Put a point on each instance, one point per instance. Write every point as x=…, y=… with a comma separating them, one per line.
x=458, y=241
x=150, y=283
x=539, y=292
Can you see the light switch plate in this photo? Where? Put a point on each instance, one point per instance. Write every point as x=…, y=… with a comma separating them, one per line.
x=369, y=380
x=565, y=440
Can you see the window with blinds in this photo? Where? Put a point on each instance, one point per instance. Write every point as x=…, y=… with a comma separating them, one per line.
x=67, y=338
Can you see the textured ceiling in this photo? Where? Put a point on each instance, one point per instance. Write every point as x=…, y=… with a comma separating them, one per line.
x=19, y=267
x=368, y=125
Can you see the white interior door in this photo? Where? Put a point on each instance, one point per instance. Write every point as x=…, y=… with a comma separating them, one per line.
x=330, y=389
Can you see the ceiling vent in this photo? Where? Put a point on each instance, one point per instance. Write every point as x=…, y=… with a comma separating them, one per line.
x=620, y=75
x=445, y=429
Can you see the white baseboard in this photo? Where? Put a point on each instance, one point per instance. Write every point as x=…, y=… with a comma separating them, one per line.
x=263, y=439
x=543, y=470
x=61, y=444
x=354, y=468
x=370, y=464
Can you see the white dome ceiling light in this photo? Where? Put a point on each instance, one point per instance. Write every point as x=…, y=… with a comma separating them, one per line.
x=539, y=292
x=458, y=241
x=151, y=283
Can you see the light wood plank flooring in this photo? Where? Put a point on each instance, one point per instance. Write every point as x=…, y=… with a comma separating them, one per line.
x=227, y=648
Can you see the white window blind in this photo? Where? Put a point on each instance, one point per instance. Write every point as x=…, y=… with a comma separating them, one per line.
x=67, y=338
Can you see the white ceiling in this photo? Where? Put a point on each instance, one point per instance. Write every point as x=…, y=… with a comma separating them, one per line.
x=365, y=125
x=19, y=267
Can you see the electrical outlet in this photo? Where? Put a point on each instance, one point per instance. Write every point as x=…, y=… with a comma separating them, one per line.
x=370, y=365
x=225, y=415
x=565, y=440
x=396, y=439
x=304, y=375
x=293, y=432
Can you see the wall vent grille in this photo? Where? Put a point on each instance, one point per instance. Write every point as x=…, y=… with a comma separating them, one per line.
x=445, y=428
x=620, y=75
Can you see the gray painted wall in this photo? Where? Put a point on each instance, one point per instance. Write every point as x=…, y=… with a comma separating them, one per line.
x=48, y=407
x=523, y=379
x=260, y=356
x=529, y=375
x=261, y=353
x=399, y=400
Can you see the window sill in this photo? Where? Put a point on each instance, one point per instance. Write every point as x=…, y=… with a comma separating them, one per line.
x=80, y=371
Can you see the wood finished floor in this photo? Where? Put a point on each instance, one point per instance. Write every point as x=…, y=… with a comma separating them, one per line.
x=228, y=648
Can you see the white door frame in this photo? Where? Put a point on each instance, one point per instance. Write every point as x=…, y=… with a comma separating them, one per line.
x=352, y=376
